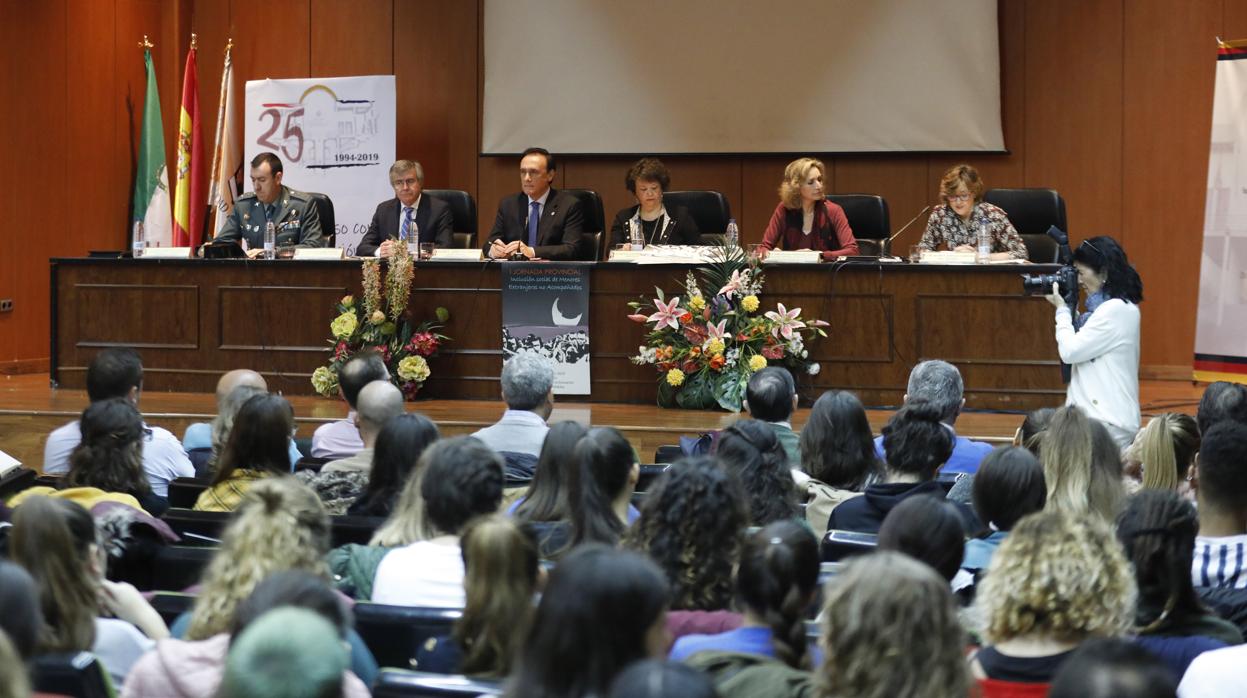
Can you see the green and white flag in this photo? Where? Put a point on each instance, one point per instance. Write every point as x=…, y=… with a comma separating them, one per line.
x=151, y=182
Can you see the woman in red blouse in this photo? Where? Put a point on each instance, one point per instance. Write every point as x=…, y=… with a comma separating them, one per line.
x=804, y=219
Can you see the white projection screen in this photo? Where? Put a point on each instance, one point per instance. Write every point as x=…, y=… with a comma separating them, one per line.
x=741, y=76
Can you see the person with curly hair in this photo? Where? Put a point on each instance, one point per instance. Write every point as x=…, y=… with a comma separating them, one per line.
x=1158, y=529
x=837, y=453
x=750, y=449
x=1082, y=466
x=1058, y=579
x=775, y=584
x=888, y=639
x=804, y=218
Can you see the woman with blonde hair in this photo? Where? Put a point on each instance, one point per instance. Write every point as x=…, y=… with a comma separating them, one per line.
x=1164, y=453
x=869, y=641
x=804, y=218
x=1058, y=579
x=1082, y=466
x=501, y=579
x=956, y=223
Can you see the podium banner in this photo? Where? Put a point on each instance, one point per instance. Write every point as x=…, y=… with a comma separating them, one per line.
x=1221, y=328
x=335, y=136
x=545, y=309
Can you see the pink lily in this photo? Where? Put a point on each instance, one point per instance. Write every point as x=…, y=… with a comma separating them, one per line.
x=718, y=331
x=734, y=285
x=668, y=314
x=639, y=318
x=785, y=321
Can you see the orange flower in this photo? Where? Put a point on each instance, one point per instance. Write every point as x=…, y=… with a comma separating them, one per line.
x=695, y=351
x=717, y=362
x=686, y=317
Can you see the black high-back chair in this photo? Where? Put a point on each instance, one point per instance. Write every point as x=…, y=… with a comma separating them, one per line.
x=324, y=209
x=709, y=209
x=393, y=683
x=1032, y=211
x=594, y=222
x=869, y=219
x=395, y=634
x=838, y=545
x=463, y=213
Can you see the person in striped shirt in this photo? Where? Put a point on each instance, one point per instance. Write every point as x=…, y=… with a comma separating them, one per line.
x=1219, y=565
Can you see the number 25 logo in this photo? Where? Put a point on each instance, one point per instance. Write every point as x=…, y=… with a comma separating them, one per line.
x=293, y=132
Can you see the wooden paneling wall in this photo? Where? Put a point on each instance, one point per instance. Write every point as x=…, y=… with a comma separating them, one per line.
x=1109, y=101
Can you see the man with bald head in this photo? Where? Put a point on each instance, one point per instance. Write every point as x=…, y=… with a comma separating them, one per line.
x=198, y=437
x=378, y=401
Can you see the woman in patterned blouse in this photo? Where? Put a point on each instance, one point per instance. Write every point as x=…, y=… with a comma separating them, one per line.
x=956, y=223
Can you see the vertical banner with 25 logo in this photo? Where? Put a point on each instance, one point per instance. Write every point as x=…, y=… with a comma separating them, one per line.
x=335, y=136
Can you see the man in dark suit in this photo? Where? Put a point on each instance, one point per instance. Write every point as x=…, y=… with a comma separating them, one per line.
x=539, y=221
x=426, y=218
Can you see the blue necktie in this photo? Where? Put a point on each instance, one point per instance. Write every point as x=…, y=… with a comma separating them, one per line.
x=534, y=217
x=405, y=233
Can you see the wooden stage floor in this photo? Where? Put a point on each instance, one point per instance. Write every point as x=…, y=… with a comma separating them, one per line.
x=29, y=409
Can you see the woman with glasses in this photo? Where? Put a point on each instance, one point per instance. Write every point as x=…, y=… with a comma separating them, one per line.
x=1101, y=344
x=956, y=222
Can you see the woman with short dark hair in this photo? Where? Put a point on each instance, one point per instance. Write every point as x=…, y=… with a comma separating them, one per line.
x=956, y=222
x=1009, y=485
x=647, y=180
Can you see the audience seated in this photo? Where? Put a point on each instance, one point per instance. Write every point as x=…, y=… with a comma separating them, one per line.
x=600, y=496
x=770, y=398
x=939, y=383
x=545, y=501
x=898, y=637
x=1162, y=454
x=528, y=389
x=652, y=678
x=288, y=653
x=1221, y=401
x=193, y=669
x=917, y=443
x=340, y=439
x=256, y=450
x=692, y=523
x=837, y=455
x=775, y=584
x=1157, y=530
x=750, y=450
x=399, y=445
x=500, y=583
x=212, y=435
x=928, y=529
x=55, y=540
x=118, y=373
x=1082, y=466
x=1219, y=564
x=462, y=480
x=1113, y=668
x=1008, y=486
x=1027, y=436
x=602, y=610
x=110, y=455
x=1058, y=579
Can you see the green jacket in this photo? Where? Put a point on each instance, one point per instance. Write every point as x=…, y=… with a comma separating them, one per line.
x=790, y=440
x=354, y=567
x=740, y=675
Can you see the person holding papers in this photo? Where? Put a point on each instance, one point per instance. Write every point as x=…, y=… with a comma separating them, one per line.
x=423, y=218
x=956, y=222
x=647, y=180
x=804, y=218
x=539, y=221
x=292, y=213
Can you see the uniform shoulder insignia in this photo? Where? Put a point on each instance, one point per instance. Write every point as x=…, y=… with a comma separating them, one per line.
x=246, y=195
x=299, y=195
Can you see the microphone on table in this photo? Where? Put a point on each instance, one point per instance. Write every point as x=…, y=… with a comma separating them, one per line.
x=911, y=222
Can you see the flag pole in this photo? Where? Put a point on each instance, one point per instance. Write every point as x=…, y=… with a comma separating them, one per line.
x=213, y=186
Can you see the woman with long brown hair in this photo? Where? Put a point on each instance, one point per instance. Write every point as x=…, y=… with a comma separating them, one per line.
x=258, y=448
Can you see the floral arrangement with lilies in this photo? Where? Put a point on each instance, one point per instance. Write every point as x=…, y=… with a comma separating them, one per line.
x=705, y=346
x=378, y=322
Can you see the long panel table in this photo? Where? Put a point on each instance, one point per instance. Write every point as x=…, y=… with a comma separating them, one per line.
x=195, y=319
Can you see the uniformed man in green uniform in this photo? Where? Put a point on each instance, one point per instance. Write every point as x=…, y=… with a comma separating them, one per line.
x=293, y=213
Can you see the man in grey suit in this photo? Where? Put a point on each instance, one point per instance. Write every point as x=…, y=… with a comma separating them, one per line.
x=539, y=221
x=426, y=218
x=293, y=213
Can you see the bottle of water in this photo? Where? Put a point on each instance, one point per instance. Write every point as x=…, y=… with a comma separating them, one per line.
x=413, y=240
x=270, y=240
x=137, y=241
x=983, y=253
x=635, y=236
x=732, y=237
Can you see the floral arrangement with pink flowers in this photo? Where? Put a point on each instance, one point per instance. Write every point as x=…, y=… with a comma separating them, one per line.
x=706, y=345
x=379, y=322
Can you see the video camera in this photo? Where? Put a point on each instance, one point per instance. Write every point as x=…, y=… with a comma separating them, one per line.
x=1066, y=278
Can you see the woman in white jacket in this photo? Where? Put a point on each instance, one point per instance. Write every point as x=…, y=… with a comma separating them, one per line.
x=1102, y=343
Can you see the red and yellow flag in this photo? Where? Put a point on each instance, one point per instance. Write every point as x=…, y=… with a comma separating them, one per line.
x=188, y=197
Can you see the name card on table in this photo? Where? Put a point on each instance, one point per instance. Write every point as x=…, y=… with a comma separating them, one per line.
x=455, y=254
x=793, y=257
x=948, y=257
x=321, y=253
x=166, y=253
